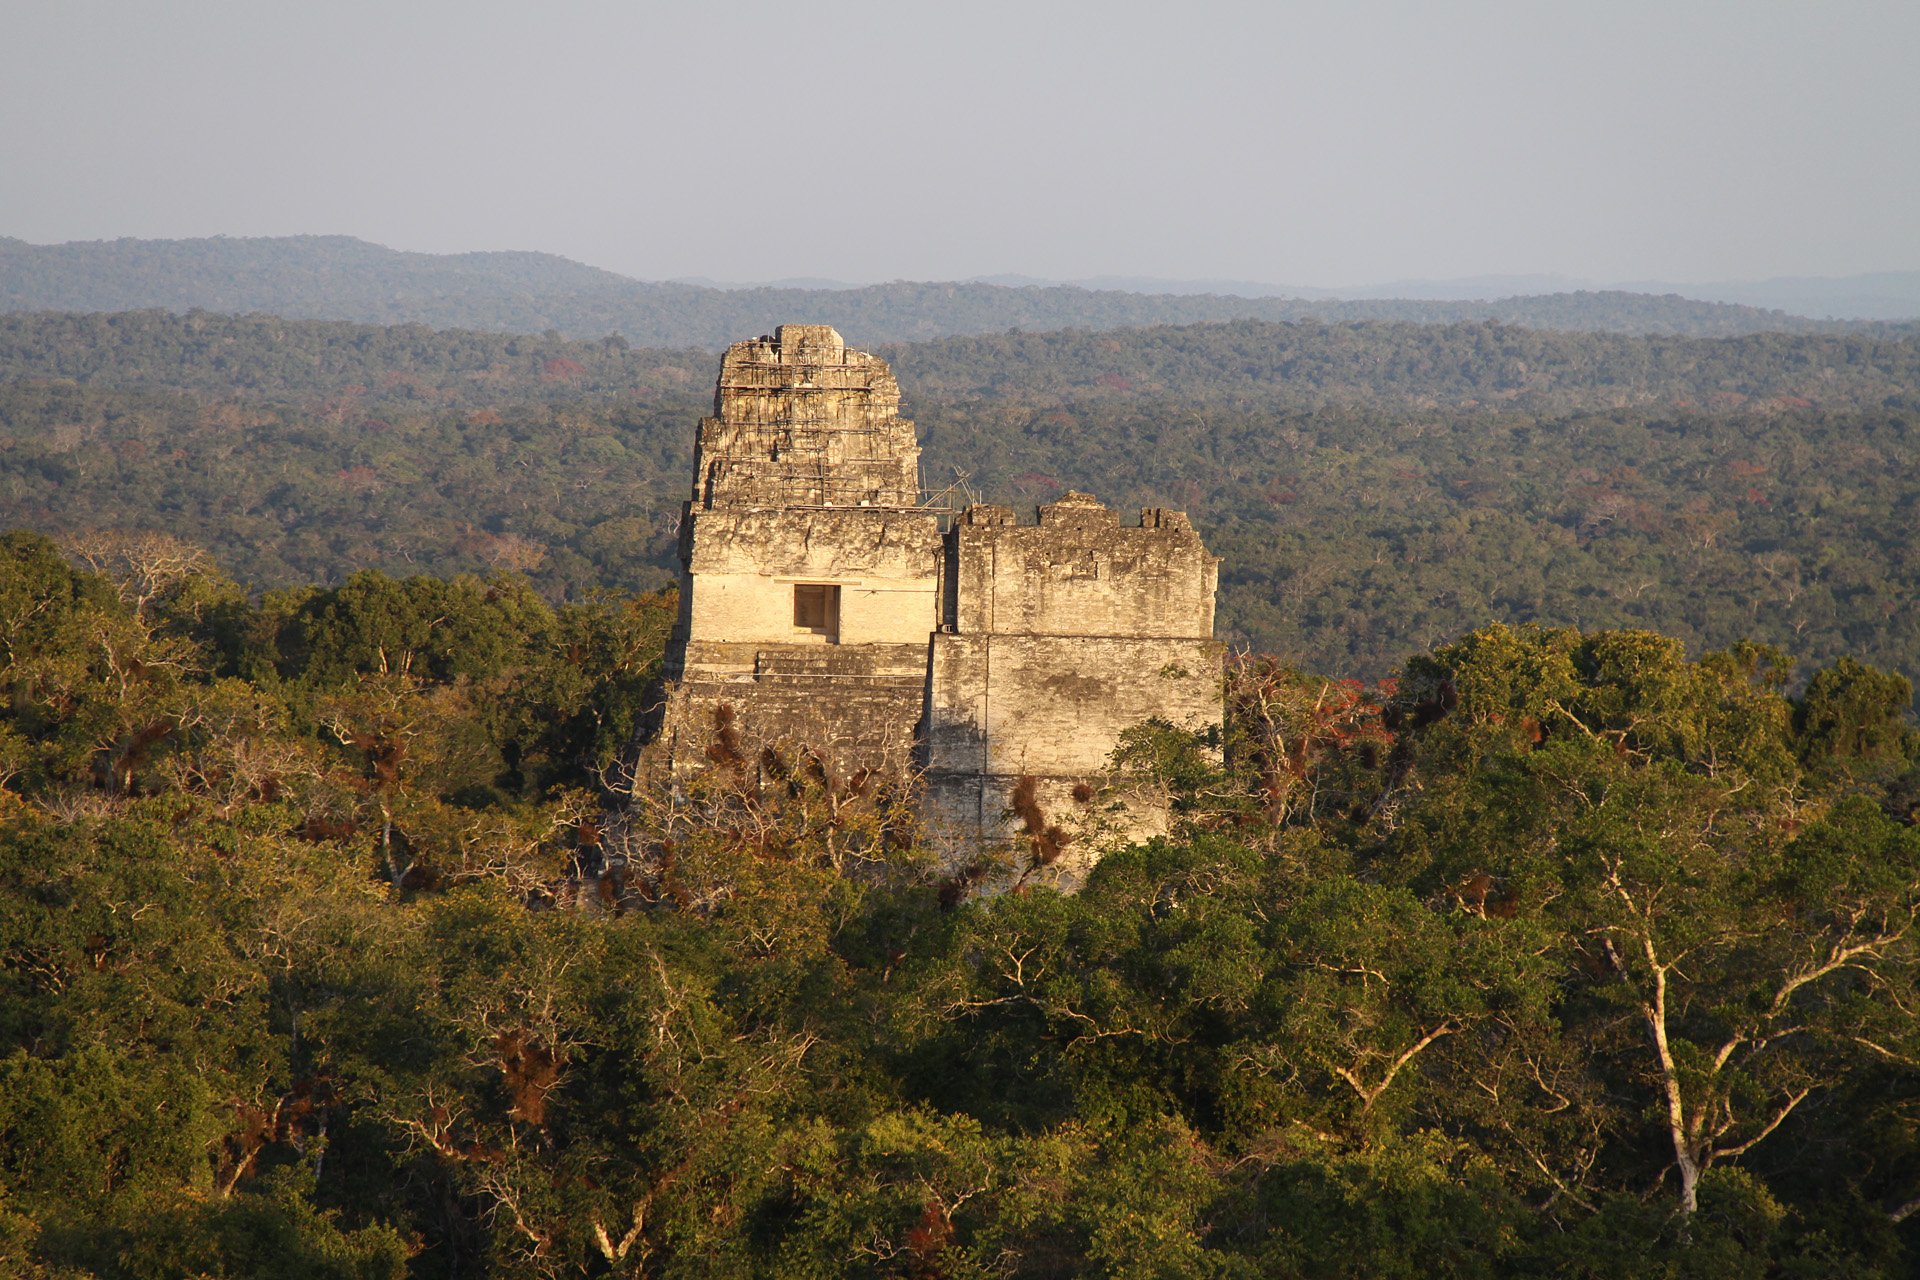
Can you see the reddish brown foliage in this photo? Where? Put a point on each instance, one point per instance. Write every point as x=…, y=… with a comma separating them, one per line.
x=530, y=1071
x=115, y=769
x=1048, y=841
x=296, y=1116
x=725, y=747
x=318, y=828
x=927, y=1240
x=1030, y=480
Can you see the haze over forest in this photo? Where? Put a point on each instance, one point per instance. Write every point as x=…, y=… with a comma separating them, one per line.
x=1286, y=145
x=339, y=278
x=508, y=290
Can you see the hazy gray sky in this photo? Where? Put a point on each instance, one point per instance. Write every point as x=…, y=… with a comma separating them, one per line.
x=1330, y=143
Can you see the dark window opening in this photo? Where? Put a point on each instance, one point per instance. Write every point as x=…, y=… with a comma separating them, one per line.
x=816, y=608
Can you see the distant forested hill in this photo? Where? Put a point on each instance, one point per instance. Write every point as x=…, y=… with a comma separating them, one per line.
x=340, y=278
x=1373, y=488
x=1415, y=365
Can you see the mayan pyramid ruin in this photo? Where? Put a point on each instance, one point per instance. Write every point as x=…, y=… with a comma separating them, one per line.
x=825, y=601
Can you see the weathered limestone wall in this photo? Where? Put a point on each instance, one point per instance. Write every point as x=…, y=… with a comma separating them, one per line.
x=743, y=564
x=1055, y=706
x=807, y=480
x=798, y=419
x=857, y=708
x=1060, y=637
x=1080, y=572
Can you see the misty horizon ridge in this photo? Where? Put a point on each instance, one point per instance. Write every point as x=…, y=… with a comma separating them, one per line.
x=1882, y=295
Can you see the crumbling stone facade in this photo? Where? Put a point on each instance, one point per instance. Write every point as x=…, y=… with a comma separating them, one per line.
x=823, y=602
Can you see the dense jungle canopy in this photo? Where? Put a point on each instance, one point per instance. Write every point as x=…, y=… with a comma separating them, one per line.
x=1372, y=489
x=1535, y=913
x=1558, y=954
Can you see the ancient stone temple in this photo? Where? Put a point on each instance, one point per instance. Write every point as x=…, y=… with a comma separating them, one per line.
x=824, y=602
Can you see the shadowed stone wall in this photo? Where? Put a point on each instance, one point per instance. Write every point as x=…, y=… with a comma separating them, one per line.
x=1060, y=636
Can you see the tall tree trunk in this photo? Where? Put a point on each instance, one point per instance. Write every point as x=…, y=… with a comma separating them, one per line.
x=1684, y=1157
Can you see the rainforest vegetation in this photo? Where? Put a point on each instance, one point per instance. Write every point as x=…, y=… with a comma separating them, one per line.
x=1372, y=489
x=1535, y=914
x=321, y=955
